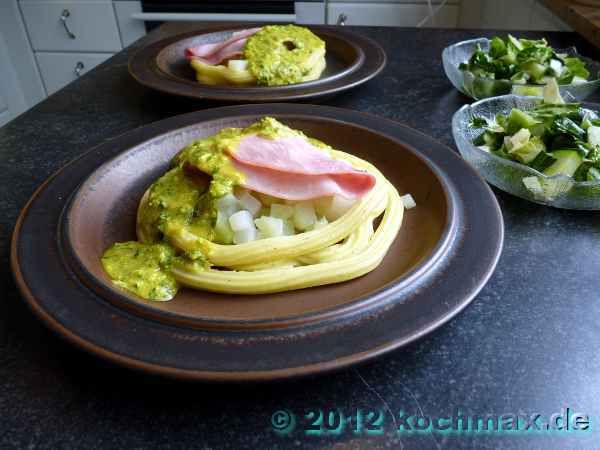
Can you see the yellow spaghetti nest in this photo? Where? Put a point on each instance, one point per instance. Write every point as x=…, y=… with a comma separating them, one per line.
x=343, y=249
x=223, y=75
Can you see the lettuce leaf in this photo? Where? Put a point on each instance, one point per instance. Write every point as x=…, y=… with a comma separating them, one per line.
x=497, y=48
x=573, y=67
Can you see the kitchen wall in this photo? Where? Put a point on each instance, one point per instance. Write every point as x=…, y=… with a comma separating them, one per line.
x=508, y=15
x=37, y=56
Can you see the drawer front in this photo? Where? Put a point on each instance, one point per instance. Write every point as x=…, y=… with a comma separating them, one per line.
x=59, y=69
x=71, y=25
x=390, y=14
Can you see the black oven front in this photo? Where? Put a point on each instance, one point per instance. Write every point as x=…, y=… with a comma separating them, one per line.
x=210, y=10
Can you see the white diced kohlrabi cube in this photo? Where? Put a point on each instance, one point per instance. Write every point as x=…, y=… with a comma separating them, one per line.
x=241, y=220
x=408, y=201
x=237, y=64
x=281, y=211
x=320, y=223
x=245, y=235
x=249, y=203
x=322, y=205
x=338, y=207
x=551, y=93
x=223, y=232
x=593, y=135
x=288, y=228
x=228, y=205
x=519, y=139
x=304, y=215
x=269, y=226
x=556, y=66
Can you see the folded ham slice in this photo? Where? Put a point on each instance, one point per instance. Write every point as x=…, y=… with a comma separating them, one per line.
x=218, y=52
x=292, y=168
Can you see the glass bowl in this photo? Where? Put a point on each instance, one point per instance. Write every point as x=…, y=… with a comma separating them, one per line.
x=559, y=191
x=480, y=87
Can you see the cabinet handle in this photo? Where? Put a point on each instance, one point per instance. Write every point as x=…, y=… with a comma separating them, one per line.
x=79, y=68
x=341, y=20
x=63, y=18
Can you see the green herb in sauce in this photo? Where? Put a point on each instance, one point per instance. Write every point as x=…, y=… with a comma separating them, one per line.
x=284, y=54
x=142, y=269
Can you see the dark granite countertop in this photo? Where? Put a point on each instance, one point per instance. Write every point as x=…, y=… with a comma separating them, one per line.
x=527, y=343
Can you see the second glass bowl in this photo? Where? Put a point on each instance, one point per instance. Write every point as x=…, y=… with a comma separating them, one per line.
x=558, y=191
x=479, y=87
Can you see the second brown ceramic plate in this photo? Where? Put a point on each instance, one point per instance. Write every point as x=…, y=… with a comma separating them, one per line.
x=351, y=59
x=446, y=250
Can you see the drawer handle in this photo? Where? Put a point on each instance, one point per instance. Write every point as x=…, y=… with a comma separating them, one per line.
x=341, y=20
x=63, y=18
x=79, y=68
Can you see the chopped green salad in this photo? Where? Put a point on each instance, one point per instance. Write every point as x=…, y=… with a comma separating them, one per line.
x=553, y=138
x=525, y=61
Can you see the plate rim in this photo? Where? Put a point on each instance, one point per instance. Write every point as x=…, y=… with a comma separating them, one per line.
x=142, y=56
x=250, y=375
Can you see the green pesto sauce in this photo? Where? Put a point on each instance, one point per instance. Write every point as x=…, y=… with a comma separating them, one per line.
x=172, y=208
x=172, y=200
x=177, y=206
x=142, y=269
x=282, y=54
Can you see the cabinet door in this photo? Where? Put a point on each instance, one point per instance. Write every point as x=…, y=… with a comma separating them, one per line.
x=20, y=83
x=131, y=29
x=59, y=69
x=88, y=26
x=389, y=14
x=12, y=101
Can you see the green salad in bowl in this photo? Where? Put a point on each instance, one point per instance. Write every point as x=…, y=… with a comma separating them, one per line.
x=524, y=61
x=552, y=138
x=540, y=149
x=484, y=68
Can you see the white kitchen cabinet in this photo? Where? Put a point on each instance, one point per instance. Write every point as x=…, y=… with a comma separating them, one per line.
x=59, y=69
x=389, y=14
x=12, y=101
x=3, y=109
x=20, y=83
x=84, y=25
x=131, y=29
x=70, y=37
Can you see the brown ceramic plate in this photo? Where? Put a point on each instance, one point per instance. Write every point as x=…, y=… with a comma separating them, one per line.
x=351, y=59
x=446, y=249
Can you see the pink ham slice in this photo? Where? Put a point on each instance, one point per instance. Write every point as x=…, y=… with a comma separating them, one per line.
x=218, y=52
x=291, y=168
